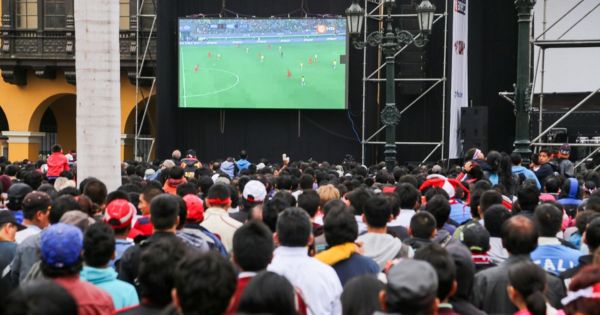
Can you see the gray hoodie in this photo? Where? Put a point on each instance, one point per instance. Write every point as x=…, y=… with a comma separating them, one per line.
x=383, y=248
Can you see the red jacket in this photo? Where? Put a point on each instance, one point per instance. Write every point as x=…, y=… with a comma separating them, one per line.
x=57, y=162
x=90, y=299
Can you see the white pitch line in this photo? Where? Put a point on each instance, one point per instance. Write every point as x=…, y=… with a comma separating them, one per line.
x=237, y=81
x=183, y=73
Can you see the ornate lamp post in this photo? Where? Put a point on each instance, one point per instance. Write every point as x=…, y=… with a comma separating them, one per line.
x=390, y=41
x=523, y=85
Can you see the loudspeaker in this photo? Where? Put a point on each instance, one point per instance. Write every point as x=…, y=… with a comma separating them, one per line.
x=474, y=127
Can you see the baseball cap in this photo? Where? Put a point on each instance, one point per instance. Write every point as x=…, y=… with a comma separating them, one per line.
x=18, y=191
x=565, y=149
x=61, y=245
x=411, y=279
x=119, y=214
x=195, y=207
x=8, y=217
x=36, y=200
x=254, y=191
x=78, y=219
x=475, y=237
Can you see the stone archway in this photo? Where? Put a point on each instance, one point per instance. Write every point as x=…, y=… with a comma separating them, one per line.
x=148, y=130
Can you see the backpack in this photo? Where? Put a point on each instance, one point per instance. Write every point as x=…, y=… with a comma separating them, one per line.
x=189, y=165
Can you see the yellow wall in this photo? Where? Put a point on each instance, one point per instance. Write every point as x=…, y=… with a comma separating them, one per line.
x=24, y=107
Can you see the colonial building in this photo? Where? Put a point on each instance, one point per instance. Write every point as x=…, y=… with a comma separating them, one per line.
x=37, y=89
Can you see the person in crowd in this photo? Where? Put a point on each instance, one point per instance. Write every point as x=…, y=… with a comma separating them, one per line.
x=439, y=207
x=119, y=215
x=57, y=163
x=377, y=244
x=319, y=284
x=477, y=239
x=143, y=226
x=204, y=284
x=527, y=283
x=254, y=195
x=444, y=267
x=176, y=178
x=229, y=167
x=216, y=218
x=528, y=197
x=393, y=228
x=357, y=200
x=361, y=296
x=190, y=164
x=98, y=250
x=155, y=278
x=519, y=237
x=341, y=231
x=410, y=200
x=192, y=230
x=36, y=212
x=575, y=233
x=570, y=195
x=8, y=230
x=465, y=274
x=411, y=288
x=591, y=238
x=565, y=166
x=550, y=253
x=268, y=293
x=422, y=230
x=583, y=292
x=481, y=200
x=42, y=297
x=95, y=190
x=61, y=246
x=16, y=193
x=494, y=218
x=522, y=171
x=164, y=214
x=545, y=168
x=242, y=163
x=309, y=201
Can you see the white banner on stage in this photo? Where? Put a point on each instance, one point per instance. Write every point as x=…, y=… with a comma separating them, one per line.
x=460, y=66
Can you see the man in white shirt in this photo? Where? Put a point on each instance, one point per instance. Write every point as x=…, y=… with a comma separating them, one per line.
x=410, y=199
x=317, y=282
x=216, y=218
x=494, y=217
x=36, y=214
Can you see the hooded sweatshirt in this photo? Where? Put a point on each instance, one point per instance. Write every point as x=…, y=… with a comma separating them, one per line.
x=242, y=164
x=529, y=174
x=123, y=294
x=228, y=168
x=383, y=248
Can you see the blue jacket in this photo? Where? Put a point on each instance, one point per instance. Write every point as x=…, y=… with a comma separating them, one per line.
x=529, y=174
x=356, y=265
x=228, y=168
x=554, y=257
x=460, y=212
x=122, y=293
x=242, y=164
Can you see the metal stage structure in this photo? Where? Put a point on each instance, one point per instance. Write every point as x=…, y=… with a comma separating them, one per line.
x=374, y=11
x=543, y=43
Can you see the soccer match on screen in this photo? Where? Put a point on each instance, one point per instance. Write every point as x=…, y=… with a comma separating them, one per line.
x=262, y=63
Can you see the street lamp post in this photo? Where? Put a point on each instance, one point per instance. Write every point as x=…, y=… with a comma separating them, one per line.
x=390, y=41
x=523, y=86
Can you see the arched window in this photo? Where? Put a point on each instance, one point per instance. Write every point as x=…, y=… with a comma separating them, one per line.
x=124, y=14
x=54, y=14
x=27, y=14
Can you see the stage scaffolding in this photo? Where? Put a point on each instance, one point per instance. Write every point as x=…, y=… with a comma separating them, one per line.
x=145, y=15
x=374, y=11
x=543, y=43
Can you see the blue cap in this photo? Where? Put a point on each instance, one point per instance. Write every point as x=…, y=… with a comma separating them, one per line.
x=61, y=245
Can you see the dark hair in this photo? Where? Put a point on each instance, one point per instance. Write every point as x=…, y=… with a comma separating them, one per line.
x=593, y=203
x=268, y=293
x=528, y=196
x=40, y=297
x=98, y=245
x=188, y=188
x=592, y=234
x=287, y=197
x=519, y=235
x=164, y=211
x=552, y=184
x=56, y=148
x=516, y=158
x=309, y=200
x=489, y=198
x=377, y=212
x=340, y=227
x=204, y=183
x=409, y=195
x=117, y=194
x=331, y=205
x=204, y=283
x=176, y=172
x=422, y=224
x=434, y=191
x=68, y=191
x=150, y=192
x=358, y=199
x=271, y=210
x=361, y=295
x=440, y=208
x=284, y=182
x=219, y=191
x=443, y=264
x=548, y=219
x=293, y=227
x=253, y=246
x=96, y=190
x=494, y=218
x=61, y=205
x=529, y=280
x=158, y=262
x=29, y=211
x=306, y=181
x=33, y=179
x=586, y=277
x=394, y=201
x=50, y=271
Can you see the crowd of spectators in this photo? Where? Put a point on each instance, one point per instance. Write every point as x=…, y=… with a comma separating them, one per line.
x=237, y=236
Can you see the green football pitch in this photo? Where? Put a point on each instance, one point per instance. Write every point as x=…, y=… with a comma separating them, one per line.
x=263, y=76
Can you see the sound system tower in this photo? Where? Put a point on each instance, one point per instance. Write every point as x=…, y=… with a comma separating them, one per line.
x=474, y=128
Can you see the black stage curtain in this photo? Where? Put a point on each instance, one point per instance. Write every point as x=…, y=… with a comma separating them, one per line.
x=326, y=134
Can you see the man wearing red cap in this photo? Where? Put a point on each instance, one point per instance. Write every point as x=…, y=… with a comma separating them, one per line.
x=192, y=228
x=119, y=215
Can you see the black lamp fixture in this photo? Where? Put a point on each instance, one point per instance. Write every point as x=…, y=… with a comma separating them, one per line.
x=390, y=40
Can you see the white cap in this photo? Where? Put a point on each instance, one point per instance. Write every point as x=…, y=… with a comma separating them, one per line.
x=254, y=191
